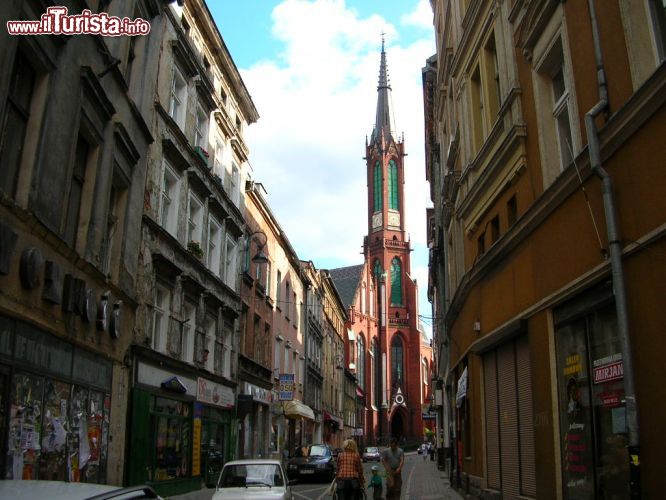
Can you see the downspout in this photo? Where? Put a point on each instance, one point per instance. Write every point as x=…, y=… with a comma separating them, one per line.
x=615, y=251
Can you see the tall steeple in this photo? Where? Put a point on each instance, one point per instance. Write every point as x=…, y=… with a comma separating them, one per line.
x=384, y=121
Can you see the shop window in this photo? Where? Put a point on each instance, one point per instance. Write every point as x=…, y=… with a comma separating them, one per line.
x=171, y=450
x=17, y=116
x=591, y=401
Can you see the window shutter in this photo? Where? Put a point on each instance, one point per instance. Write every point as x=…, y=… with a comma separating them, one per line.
x=526, y=412
x=506, y=374
x=492, y=420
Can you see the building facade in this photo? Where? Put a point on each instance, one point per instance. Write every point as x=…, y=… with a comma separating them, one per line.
x=544, y=151
x=184, y=373
x=384, y=343
x=74, y=145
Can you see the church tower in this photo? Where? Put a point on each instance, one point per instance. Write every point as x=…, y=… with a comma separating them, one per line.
x=387, y=254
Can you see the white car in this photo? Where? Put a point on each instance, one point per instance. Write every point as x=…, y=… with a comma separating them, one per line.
x=256, y=478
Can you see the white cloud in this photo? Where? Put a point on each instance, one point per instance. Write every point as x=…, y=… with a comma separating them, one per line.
x=317, y=105
x=421, y=16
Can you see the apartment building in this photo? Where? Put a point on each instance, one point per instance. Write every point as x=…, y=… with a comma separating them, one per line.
x=544, y=151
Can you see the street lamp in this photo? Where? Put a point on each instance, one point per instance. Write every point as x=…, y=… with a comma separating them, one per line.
x=260, y=257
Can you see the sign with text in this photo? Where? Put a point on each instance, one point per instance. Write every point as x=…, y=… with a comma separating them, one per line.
x=214, y=394
x=608, y=372
x=286, y=392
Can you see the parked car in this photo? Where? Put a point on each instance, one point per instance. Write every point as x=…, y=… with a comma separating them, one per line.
x=60, y=490
x=371, y=453
x=253, y=479
x=317, y=462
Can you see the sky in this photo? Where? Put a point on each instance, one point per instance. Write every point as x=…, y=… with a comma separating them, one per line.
x=311, y=67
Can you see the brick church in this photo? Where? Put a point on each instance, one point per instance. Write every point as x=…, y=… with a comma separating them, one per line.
x=386, y=350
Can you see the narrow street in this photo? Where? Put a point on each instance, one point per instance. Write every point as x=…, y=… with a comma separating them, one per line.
x=421, y=481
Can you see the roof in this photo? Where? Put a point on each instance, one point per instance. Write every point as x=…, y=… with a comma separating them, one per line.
x=346, y=280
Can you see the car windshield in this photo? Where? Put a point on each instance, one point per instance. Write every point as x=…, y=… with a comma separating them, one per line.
x=371, y=450
x=245, y=476
x=319, y=451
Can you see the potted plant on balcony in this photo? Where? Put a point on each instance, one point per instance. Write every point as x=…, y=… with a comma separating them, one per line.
x=195, y=248
x=203, y=154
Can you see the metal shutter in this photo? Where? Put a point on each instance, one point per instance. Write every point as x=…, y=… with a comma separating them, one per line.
x=492, y=424
x=526, y=412
x=508, y=408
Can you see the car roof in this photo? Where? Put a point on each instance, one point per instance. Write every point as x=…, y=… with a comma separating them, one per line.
x=56, y=490
x=253, y=461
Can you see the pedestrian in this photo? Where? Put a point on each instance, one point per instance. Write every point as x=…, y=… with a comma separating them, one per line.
x=393, y=458
x=431, y=449
x=350, y=480
x=376, y=483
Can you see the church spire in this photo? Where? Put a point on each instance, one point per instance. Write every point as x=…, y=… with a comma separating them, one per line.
x=384, y=120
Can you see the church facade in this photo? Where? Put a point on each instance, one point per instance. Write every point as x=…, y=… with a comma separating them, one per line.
x=385, y=348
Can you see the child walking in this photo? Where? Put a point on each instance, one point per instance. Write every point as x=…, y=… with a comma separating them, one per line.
x=376, y=483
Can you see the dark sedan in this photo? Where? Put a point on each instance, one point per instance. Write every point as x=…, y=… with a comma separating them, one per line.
x=316, y=462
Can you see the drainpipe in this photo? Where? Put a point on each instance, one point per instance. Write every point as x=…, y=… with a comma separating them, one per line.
x=615, y=251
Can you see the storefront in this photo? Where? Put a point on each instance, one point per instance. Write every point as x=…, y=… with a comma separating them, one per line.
x=183, y=429
x=332, y=430
x=254, y=416
x=55, y=401
x=593, y=430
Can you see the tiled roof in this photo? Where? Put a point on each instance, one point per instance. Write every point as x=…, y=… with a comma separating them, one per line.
x=346, y=280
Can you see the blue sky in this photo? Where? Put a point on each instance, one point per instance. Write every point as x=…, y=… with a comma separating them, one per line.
x=311, y=67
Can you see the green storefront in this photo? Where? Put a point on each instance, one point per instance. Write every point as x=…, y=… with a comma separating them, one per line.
x=182, y=429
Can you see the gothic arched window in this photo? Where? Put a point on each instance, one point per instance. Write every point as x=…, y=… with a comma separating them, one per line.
x=377, y=271
x=396, y=282
x=393, y=185
x=360, y=362
x=397, y=367
x=377, y=186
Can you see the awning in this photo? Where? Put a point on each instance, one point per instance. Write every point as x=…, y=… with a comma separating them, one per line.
x=295, y=409
x=332, y=418
x=462, y=388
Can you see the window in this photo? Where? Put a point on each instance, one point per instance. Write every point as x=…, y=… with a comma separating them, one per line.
x=397, y=370
x=230, y=262
x=277, y=349
x=268, y=278
x=396, y=282
x=561, y=113
x=372, y=300
x=17, y=114
x=201, y=129
x=360, y=362
x=234, y=189
x=363, y=291
x=377, y=186
x=491, y=70
x=278, y=289
x=187, y=341
x=114, y=224
x=194, y=219
x=168, y=216
x=227, y=335
x=178, y=99
x=377, y=269
x=214, y=246
x=76, y=190
x=658, y=9
x=161, y=310
x=495, y=229
x=477, y=110
x=393, y=185
x=512, y=210
x=287, y=295
x=481, y=245
x=294, y=310
x=218, y=168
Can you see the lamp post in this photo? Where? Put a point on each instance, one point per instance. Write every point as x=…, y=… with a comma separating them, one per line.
x=260, y=257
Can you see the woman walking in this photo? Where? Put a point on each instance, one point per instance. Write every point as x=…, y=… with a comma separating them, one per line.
x=350, y=480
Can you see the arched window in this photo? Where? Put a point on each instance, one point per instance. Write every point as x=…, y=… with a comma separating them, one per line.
x=377, y=186
x=393, y=185
x=363, y=292
x=372, y=301
x=376, y=374
x=397, y=369
x=396, y=282
x=360, y=362
x=377, y=271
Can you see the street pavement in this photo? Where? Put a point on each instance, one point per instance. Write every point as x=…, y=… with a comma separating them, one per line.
x=421, y=480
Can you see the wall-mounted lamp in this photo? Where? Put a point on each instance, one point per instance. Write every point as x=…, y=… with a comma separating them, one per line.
x=477, y=326
x=260, y=257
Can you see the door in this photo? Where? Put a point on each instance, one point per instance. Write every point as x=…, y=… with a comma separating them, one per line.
x=212, y=451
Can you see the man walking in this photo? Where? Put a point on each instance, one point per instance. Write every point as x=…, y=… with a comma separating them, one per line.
x=393, y=459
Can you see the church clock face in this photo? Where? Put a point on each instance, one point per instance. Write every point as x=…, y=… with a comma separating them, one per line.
x=394, y=219
x=376, y=220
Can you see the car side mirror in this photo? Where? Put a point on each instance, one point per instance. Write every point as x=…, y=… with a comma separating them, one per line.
x=292, y=482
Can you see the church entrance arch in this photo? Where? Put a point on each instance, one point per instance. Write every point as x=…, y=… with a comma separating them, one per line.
x=398, y=425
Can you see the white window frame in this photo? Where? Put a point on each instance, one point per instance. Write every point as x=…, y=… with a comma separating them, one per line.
x=169, y=197
x=161, y=310
x=178, y=97
x=230, y=257
x=195, y=219
x=214, y=250
x=234, y=188
x=187, y=341
x=201, y=128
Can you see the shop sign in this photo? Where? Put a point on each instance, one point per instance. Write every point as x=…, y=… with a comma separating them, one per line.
x=286, y=392
x=152, y=376
x=258, y=394
x=196, y=441
x=214, y=394
x=429, y=416
x=610, y=399
x=608, y=372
